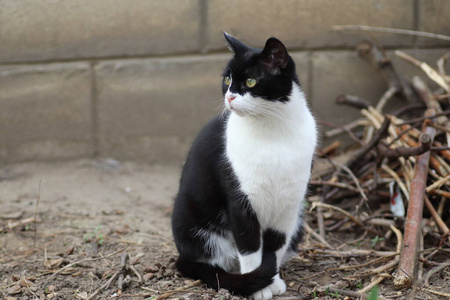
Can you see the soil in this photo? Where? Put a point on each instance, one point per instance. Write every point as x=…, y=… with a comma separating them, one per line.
x=96, y=216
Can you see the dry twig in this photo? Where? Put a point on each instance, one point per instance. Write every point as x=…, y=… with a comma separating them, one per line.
x=181, y=289
x=391, y=30
x=406, y=271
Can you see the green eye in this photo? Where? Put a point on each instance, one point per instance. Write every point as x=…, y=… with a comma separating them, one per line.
x=251, y=82
x=227, y=80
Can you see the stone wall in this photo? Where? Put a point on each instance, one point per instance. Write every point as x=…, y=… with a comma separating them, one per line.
x=137, y=79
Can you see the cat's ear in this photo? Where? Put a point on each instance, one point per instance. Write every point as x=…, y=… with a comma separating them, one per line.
x=235, y=45
x=274, y=56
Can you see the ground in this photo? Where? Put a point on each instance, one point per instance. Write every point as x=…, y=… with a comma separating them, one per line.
x=95, y=216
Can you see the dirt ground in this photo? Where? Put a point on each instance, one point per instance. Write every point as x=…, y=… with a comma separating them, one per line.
x=101, y=221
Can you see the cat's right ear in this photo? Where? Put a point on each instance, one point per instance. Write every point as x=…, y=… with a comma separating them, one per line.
x=234, y=44
x=274, y=56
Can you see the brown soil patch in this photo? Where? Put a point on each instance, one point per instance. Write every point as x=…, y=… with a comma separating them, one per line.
x=92, y=212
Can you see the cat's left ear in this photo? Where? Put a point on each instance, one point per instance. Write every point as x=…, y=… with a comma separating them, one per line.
x=235, y=45
x=274, y=56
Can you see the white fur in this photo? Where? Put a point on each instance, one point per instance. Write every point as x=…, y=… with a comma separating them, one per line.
x=270, y=146
x=278, y=287
x=250, y=262
x=263, y=294
x=223, y=249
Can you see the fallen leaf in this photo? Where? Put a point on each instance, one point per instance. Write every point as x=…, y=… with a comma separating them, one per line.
x=24, y=282
x=134, y=260
x=122, y=229
x=81, y=295
x=15, y=215
x=70, y=250
x=107, y=273
x=76, y=274
x=55, y=263
x=148, y=276
x=68, y=271
x=150, y=269
x=15, y=277
x=15, y=289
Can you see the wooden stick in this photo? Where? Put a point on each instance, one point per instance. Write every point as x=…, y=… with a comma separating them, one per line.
x=353, y=253
x=84, y=260
x=320, y=218
x=441, y=224
x=104, y=286
x=340, y=185
x=441, y=193
x=397, y=179
x=328, y=150
x=35, y=214
x=438, y=183
x=393, y=262
x=317, y=236
x=380, y=61
x=347, y=214
x=12, y=225
x=123, y=264
x=441, y=62
x=406, y=271
x=355, y=180
x=425, y=145
x=431, y=73
x=374, y=282
x=345, y=128
x=181, y=289
x=354, y=101
x=382, y=131
x=391, y=30
x=385, y=98
x=435, y=270
x=438, y=293
x=443, y=113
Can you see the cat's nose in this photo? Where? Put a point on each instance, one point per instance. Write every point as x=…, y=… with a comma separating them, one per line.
x=230, y=98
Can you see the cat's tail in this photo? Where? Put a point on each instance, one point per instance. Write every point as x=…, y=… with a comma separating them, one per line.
x=240, y=284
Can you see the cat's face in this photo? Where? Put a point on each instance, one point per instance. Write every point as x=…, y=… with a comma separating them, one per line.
x=256, y=81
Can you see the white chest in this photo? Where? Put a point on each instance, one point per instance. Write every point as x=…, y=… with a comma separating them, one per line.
x=272, y=163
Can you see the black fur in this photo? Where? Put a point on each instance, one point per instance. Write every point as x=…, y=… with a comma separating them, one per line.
x=274, y=74
x=208, y=190
x=241, y=284
x=273, y=240
x=210, y=199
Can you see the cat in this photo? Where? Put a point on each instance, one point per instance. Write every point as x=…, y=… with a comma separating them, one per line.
x=238, y=212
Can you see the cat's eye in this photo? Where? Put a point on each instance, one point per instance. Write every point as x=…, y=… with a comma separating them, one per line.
x=250, y=82
x=227, y=80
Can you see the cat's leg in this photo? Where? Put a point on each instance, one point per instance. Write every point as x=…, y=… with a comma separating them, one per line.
x=275, y=240
x=281, y=239
x=247, y=235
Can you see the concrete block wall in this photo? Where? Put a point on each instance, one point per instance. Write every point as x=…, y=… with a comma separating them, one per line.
x=137, y=79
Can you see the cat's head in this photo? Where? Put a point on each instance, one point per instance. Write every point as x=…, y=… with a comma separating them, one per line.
x=257, y=79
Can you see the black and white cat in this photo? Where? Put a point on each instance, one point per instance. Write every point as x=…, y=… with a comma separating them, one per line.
x=238, y=212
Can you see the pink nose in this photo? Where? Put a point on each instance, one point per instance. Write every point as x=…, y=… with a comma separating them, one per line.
x=230, y=98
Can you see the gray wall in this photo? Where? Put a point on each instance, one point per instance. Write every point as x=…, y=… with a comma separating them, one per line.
x=137, y=79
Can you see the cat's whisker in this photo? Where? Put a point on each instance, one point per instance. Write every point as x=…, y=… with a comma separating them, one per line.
x=275, y=111
x=222, y=110
x=269, y=111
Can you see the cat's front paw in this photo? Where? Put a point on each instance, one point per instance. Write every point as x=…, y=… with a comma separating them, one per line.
x=263, y=294
x=278, y=286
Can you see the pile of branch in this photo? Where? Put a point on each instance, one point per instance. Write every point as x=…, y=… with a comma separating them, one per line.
x=401, y=155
